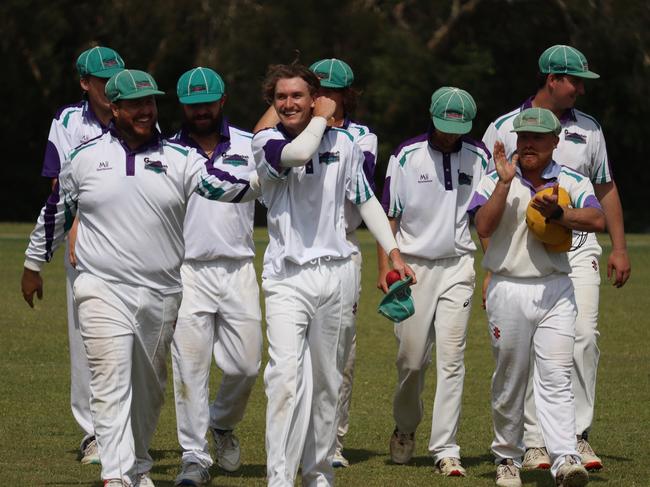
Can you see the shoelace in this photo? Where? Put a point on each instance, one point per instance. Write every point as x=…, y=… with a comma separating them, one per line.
x=537, y=453
x=454, y=462
x=507, y=470
x=585, y=447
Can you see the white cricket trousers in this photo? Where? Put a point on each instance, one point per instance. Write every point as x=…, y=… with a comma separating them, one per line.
x=79, y=369
x=442, y=299
x=220, y=314
x=345, y=394
x=586, y=354
x=126, y=332
x=309, y=329
x=539, y=311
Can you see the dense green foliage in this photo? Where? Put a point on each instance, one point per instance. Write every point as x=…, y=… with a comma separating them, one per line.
x=401, y=51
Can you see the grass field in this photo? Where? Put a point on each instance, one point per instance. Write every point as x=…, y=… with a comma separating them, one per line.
x=39, y=438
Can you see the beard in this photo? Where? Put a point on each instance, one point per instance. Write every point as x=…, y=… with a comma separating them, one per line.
x=203, y=125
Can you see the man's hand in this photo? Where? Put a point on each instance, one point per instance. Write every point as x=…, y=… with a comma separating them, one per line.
x=324, y=107
x=547, y=204
x=505, y=169
x=31, y=283
x=618, y=266
x=382, y=285
x=400, y=266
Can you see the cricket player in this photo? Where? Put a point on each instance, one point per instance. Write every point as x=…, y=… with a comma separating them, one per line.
x=130, y=190
x=72, y=126
x=307, y=170
x=562, y=71
x=530, y=298
x=336, y=78
x=429, y=183
x=220, y=312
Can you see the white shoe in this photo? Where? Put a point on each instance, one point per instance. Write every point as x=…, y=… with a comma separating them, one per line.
x=193, y=474
x=339, y=461
x=536, y=459
x=450, y=467
x=508, y=474
x=144, y=480
x=89, y=452
x=113, y=483
x=227, y=452
x=402, y=446
x=589, y=458
x=571, y=474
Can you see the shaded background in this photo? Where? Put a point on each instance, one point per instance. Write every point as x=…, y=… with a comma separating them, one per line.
x=400, y=51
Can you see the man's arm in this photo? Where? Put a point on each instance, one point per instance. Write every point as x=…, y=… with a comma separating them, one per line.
x=383, y=264
x=618, y=262
x=588, y=219
x=268, y=120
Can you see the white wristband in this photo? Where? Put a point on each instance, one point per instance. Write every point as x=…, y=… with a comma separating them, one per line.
x=33, y=265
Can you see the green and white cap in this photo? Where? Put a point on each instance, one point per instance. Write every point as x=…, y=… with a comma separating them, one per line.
x=130, y=84
x=200, y=85
x=397, y=304
x=560, y=59
x=333, y=73
x=102, y=62
x=452, y=110
x=538, y=120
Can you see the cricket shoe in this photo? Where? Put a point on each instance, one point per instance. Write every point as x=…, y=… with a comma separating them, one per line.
x=508, y=474
x=227, y=451
x=450, y=467
x=571, y=474
x=536, y=459
x=589, y=458
x=339, y=461
x=401, y=447
x=89, y=453
x=193, y=474
x=113, y=483
x=143, y=480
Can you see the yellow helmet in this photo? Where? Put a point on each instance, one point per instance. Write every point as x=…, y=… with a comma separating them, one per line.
x=555, y=237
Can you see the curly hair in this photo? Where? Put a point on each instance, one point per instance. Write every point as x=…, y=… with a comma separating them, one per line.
x=277, y=72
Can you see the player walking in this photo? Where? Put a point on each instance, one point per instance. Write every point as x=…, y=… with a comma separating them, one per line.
x=430, y=181
x=582, y=148
x=220, y=312
x=307, y=171
x=530, y=298
x=130, y=190
x=72, y=126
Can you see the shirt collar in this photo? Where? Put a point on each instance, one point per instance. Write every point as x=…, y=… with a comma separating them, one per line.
x=550, y=174
x=224, y=139
x=568, y=115
x=154, y=142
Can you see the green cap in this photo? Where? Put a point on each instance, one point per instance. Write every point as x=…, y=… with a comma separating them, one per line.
x=130, y=84
x=102, y=62
x=333, y=73
x=538, y=120
x=397, y=305
x=561, y=59
x=200, y=85
x=452, y=110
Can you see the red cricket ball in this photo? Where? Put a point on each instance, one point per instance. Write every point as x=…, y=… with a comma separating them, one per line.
x=392, y=277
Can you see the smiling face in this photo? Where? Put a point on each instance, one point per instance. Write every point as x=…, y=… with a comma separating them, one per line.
x=565, y=90
x=203, y=118
x=136, y=119
x=535, y=149
x=293, y=103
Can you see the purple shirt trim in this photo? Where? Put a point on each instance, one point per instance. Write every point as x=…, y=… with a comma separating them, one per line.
x=369, y=165
x=51, y=161
x=568, y=114
x=273, y=154
x=592, y=202
x=476, y=143
x=183, y=137
x=49, y=216
x=223, y=175
x=385, y=197
x=414, y=140
x=79, y=104
x=478, y=200
x=446, y=165
x=155, y=141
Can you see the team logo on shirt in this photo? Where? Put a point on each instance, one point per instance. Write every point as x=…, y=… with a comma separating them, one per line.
x=235, y=160
x=464, y=179
x=425, y=178
x=575, y=137
x=155, y=166
x=104, y=166
x=328, y=157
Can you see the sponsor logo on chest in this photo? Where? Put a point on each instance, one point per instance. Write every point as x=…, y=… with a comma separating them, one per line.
x=574, y=137
x=155, y=166
x=235, y=160
x=425, y=178
x=104, y=166
x=328, y=157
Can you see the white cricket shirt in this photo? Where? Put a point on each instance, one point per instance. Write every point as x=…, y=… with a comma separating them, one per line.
x=429, y=192
x=582, y=148
x=513, y=250
x=214, y=229
x=131, y=207
x=306, y=217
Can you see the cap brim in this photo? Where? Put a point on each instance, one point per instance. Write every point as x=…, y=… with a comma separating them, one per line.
x=452, y=127
x=535, y=129
x=141, y=94
x=585, y=74
x=200, y=98
x=106, y=73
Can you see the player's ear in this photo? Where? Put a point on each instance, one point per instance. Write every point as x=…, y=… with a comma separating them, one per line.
x=114, y=109
x=223, y=100
x=83, y=82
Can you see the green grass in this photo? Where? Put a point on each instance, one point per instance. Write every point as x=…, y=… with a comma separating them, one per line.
x=39, y=438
